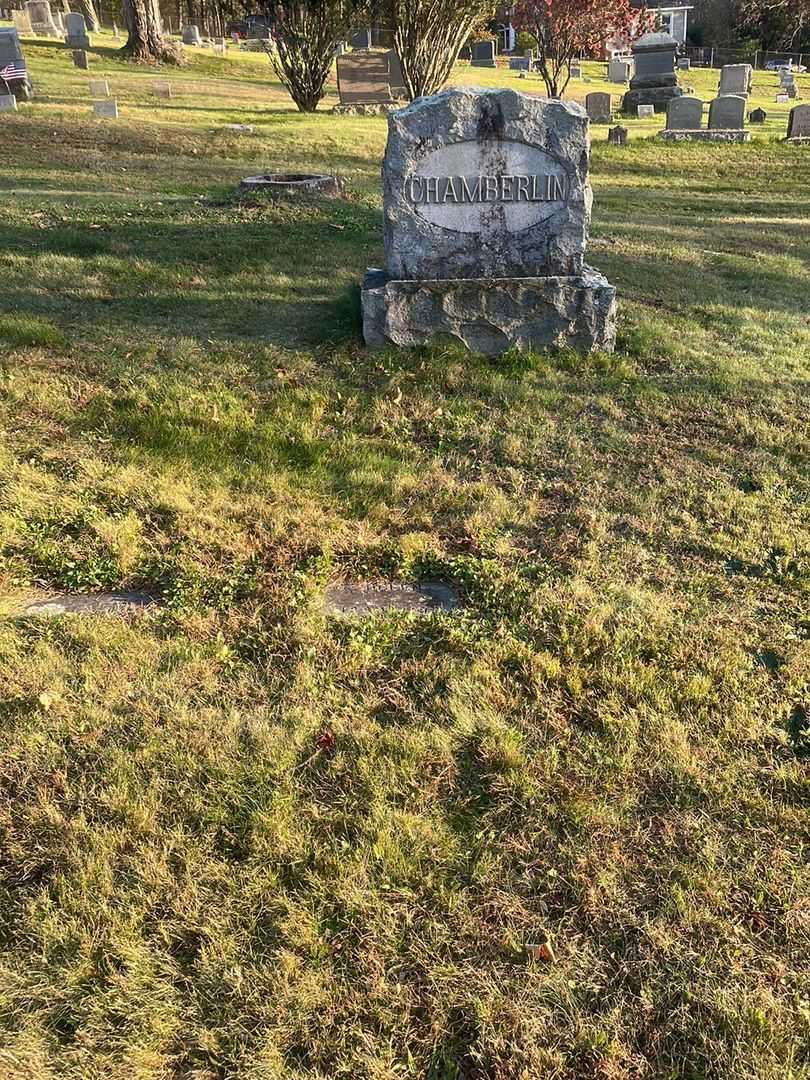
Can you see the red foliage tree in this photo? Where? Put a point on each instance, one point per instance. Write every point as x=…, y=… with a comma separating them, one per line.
x=565, y=29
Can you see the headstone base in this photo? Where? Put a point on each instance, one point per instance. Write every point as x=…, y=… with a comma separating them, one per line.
x=490, y=316
x=799, y=140
x=705, y=135
x=657, y=96
x=371, y=108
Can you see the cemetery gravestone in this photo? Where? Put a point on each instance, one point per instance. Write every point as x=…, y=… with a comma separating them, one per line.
x=483, y=54
x=684, y=63
x=162, y=89
x=363, y=79
x=396, y=80
x=597, y=106
x=8, y=103
x=645, y=111
x=617, y=136
x=361, y=40
x=22, y=24
x=782, y=99
x=736, y=79
x=41, y=19
x=576, y=71
x=99, y=88
x=654, y=82
x=727, y=113
x=107, y=109
x=487, y=205
x=11, y=53
x=757, y=116
x=519, y=63
x=191, y=35
x=77, y=32
x=799, y=122
x=80, y=59
x=618, y=71
x=219, y=47
x=684, y=114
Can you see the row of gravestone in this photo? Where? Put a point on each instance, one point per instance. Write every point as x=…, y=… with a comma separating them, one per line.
x=727, y=113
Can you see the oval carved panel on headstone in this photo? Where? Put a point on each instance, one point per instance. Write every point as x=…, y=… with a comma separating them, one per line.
x=469, y=187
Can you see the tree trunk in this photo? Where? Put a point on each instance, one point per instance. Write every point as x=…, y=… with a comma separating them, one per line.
x=87, y=8
x=145, y=42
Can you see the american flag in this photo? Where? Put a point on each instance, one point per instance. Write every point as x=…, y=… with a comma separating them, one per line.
x=14, y=70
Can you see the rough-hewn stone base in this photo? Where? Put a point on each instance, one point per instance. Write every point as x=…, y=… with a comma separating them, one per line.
x=490, y=316
x=370, y=108
x=705, y=135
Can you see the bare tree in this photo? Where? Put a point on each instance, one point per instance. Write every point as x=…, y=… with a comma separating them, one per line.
x=306, y=33
x=145, y=41
x=428, y=35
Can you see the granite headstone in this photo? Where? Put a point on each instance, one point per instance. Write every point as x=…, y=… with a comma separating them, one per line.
x=727, y=113
x=799, y=122
x=486, y=205
x=736, y=79
x=597, y=106
x=684, y=114
x=654, y=82
x=482, y=54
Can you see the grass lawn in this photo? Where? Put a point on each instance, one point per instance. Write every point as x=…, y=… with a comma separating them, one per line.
x=562, y=834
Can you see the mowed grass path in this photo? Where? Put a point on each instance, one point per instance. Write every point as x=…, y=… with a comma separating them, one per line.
x=240, y=839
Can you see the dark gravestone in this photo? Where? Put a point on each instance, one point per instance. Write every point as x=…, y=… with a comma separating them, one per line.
x=799, y=122
x=80, y=59
x=654, y=82
x=757, y=116
x=11, y=53
x=363, y=79
x=727, y=113
x=361, y=40
x=483, y=54
x=396, y=80
x=617, y=136
x=684, y=114
x=597, y=106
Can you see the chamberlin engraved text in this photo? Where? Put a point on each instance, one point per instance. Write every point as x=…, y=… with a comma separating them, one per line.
x=508, y=187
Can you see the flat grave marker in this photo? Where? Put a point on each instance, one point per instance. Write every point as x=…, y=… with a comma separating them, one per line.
x=106, y=109
x=99, y=88
x=366, y=598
